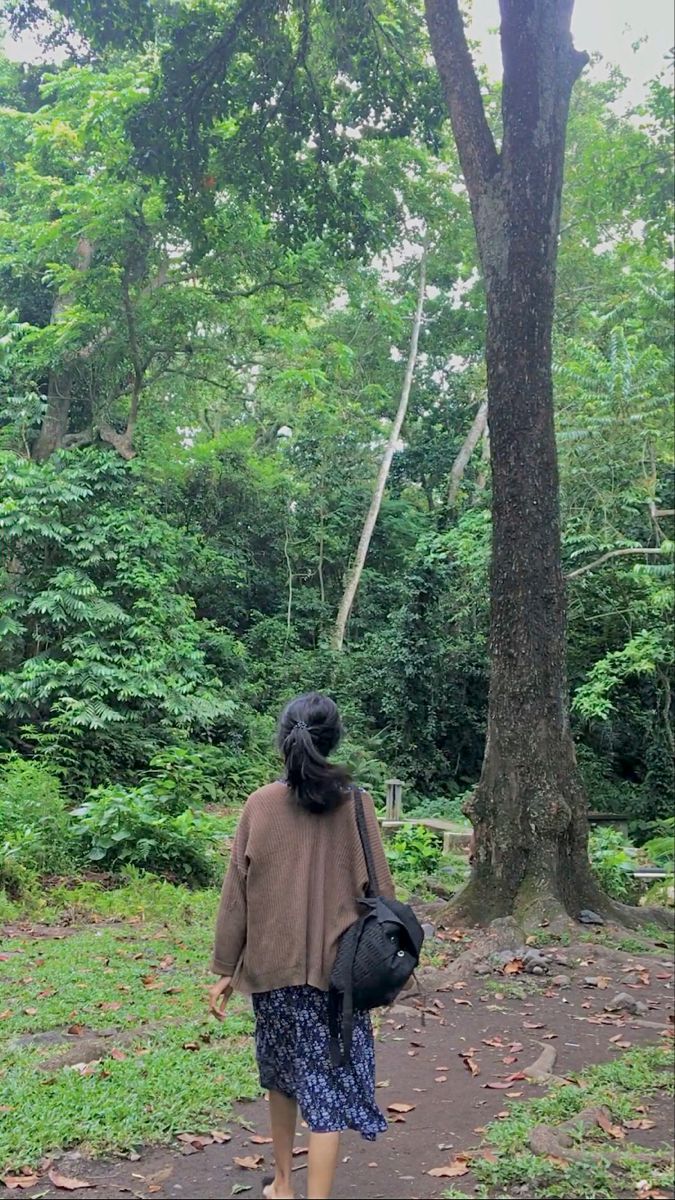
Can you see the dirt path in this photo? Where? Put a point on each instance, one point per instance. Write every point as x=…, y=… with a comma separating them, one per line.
x=422, y=1063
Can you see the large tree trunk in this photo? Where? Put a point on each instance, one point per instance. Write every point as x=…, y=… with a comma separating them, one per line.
x=354, y=576
x=529, y=810
x=56, y=418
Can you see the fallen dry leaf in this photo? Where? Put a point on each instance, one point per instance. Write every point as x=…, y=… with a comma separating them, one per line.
x=400, y=1108
x=495, y=1041
x=532, y=1025
x=220, y=1136
x=383, y=1083
x=250, y=1162
x=441, y=1079
x=12, y=1182
x=118, y=1055
x=67, y=1183
x=298, y=1151
x=640, y=1123
x=30, y=1012
x=613, y=1131
x=508, y=1059
x=461, y=1000
x=256, y=1139
x=75, y=1030
x=514, y=967
x=560, y=1163
x=451, y=1171
x=514, y=1095
x=497, y=1085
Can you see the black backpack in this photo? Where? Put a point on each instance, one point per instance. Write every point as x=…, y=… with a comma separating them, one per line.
x=375, y=958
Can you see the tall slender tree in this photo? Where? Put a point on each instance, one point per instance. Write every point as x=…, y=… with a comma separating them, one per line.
x=529, y=810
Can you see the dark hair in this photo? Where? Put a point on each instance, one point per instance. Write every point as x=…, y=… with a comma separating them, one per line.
x=309, y=728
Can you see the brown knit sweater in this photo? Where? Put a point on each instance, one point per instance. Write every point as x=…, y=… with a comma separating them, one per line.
x=291, y=890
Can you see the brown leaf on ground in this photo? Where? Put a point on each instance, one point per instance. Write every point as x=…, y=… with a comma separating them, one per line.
x=192, y=1142
x=76, y=1030
x=30, y=1012
x=514, y=1095
x=397, y=1107
x=441, y=1079
x=250, y=1162
x=461, y=1000
x=496, y=1042
x=256, y=1139
x=67, y=1183
x=220, y=1136
x=470, y=1064
x=298, y=1151
x=497, y=1085
x=613, y=1131
x=383, y=1083
x=533, y=1025
x=514, y=967
x=640, y=1123
x=451, y=1171
x=12, y=1182
x=118, y=1055
x=508, y=1059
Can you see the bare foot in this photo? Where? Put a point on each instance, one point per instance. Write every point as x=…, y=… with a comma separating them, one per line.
x=272, y=1192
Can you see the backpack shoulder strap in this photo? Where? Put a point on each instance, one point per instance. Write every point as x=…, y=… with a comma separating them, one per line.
x=365, y=843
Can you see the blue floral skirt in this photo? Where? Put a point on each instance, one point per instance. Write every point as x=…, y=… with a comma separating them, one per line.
x=292, y=1049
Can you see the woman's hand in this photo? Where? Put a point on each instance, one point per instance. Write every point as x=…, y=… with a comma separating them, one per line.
x=219, y=994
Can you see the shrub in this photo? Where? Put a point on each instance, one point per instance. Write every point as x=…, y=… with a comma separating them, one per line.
x=611, y=858
x=36, y=834
x=121, y=827
x=413, y=852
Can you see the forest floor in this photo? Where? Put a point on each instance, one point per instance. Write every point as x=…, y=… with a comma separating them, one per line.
x=112, y=1076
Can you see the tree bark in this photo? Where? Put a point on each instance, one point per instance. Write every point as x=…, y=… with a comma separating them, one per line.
x=469, y=445
x=356, y=571
x=529, y=810
x=54, y=425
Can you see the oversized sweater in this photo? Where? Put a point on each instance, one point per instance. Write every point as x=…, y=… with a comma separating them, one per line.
x=291, y=890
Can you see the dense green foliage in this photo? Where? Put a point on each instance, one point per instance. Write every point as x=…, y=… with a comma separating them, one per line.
x=206, y=288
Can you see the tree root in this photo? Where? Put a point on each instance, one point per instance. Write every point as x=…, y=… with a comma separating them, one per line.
x=533, y=906
x=541, y=1070
x=559, y=1141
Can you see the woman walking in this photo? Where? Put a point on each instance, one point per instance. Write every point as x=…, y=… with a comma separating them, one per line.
x=292, y=888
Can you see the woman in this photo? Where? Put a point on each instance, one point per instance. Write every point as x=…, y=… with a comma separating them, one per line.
x=292, y=888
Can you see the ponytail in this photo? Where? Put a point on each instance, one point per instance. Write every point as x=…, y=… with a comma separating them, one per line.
x=309, y=729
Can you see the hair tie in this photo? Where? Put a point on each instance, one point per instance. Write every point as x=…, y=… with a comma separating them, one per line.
x=300, y=725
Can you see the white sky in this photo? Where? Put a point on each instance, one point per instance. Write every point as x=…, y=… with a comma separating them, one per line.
x=608, y=27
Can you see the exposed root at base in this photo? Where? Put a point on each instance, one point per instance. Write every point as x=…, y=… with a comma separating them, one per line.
x=541, y=1071
x=536, y=904
x=560, y=1141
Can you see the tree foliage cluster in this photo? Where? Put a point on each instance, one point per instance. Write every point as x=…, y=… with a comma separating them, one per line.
x=211, y=220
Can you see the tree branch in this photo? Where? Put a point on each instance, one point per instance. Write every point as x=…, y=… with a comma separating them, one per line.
x=597, y=562
x=469, y=445
x=478, y=154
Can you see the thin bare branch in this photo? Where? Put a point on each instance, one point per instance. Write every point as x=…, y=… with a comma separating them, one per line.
x=597, y=562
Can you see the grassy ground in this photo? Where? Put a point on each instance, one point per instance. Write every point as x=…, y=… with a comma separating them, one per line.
x=136, y=973
x=627, y=1086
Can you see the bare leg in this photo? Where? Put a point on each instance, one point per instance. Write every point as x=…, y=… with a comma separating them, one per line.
x=283, y=1116
x=323, y=1153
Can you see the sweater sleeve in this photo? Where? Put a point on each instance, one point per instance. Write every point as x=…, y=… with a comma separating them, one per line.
x=385, y=882
x=231, y=919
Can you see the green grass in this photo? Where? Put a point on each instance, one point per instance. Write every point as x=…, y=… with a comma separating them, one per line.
x=516, y=988
x=144, y=977
x=639, y=943
x=620, y=1085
